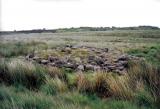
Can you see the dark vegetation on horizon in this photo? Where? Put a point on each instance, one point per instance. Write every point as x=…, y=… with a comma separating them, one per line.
x=80, y=29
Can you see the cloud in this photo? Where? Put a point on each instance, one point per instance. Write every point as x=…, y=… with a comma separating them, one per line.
x=58, y=0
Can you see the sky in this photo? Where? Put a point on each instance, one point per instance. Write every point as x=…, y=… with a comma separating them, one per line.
x=51, y=14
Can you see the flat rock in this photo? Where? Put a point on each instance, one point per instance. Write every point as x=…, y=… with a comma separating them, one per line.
x=44, y=62
x=80, y=68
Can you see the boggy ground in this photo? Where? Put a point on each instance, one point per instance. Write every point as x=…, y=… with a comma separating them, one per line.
x=29, y=85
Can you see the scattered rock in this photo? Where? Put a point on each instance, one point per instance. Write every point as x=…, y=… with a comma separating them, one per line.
x=91, y=57
x=97, y=68
x=96, y=59
x=89, y=67
x=52, y=59
x=69, y=46
x=99, y=61
x=31, y=55
x=123, y=58
x=111, y=67
x=60, y=63
x=68, y=50
x=105, y=50
x=80, y=68
x=70, y=65
x=44, y=62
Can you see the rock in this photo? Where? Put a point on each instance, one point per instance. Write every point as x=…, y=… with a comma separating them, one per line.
x=102, y=55
x=70, y=65
x=97, y=68
x=52, y=59
x=36, y=58
x=29, y=56
x=111, y=67
x=105, y=50
x=68, y=45
x=68, y=50
x=44, y=62
x=98, y=51
x=99, y=60
x=52, y=64
x=123, y=58
x=80, y=67
x=106, y=69
x=89, y=67
x=120, y=68
x=60, y=63
x=123, y=63
x=106, y=63
x=91, y=58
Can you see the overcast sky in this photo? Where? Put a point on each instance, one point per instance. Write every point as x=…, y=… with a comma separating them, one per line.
x=34, y=14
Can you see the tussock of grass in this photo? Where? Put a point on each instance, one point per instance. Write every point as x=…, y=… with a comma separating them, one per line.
x=83, y=83
x=147, y=74
x=54, y=86
x=119, y=87
x=21, y=72
x=56, y=72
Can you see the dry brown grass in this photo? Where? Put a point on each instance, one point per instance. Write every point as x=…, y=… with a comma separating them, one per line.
x=83, y=83
x=56, y=72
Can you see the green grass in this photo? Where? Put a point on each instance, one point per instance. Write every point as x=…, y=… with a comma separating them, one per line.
x=10, y=98
x=25, y=85
x=151, y=54
x=21, y=72
x=19, y=48
x=91, y=90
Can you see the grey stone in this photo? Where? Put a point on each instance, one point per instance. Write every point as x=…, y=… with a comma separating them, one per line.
x=44, y=62
x=60, y=63
x=68, y=45
x=52, y=64
x=80, y=67
x=29, y=56
x=105, y=49
x=99, y=60
x=52, y=59
x=111, y=67
x=89, y=67
x=91, y=58
x=97, y=68
x=123, y=58
x=70, y=65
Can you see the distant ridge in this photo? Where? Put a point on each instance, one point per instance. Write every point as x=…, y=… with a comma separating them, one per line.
x=79, y=29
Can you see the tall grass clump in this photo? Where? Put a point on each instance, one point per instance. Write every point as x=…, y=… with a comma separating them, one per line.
x=84, y=83
x=21, y=72
x=55, y=72
x=54, y=86
x=119, y=87
x=100, y=84
x=146, y=78
x=9, y=99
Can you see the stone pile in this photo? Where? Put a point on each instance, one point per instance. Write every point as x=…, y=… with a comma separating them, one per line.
x=97, y=60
